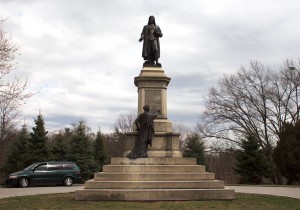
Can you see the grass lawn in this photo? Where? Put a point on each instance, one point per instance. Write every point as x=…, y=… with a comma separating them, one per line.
x=67, y=201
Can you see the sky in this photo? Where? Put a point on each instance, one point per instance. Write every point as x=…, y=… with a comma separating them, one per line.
x=80, y=57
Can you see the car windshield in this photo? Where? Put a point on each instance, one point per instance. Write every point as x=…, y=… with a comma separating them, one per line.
x=30, y=167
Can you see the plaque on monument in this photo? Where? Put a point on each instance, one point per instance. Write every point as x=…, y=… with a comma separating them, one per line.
x=153, y=98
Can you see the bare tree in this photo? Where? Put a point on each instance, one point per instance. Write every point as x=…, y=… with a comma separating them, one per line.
x=221, y=162
x=254, y=102
x=12, y=91
x=289, y=84
x=179, y=127
x=115, y=142
x=125, y=122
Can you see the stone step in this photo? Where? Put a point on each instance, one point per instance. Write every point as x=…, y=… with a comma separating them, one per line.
x=154, y=194
x=154, y=168
x=153, y=161
x=198, y=184
x=153, y=176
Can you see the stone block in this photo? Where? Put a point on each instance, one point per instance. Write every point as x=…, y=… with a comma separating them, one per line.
x=154, y=194
x=154, y=168
x=153, y=161
x=106, y=176
x=196, y=184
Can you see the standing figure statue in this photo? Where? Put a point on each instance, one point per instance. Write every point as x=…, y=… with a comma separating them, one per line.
x=145, y=128
x=151, y=48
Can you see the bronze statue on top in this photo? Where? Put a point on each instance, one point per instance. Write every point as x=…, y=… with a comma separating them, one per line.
x=151, y=47
x=145, y=127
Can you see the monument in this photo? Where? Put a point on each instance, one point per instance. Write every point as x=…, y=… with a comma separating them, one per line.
x=152, y=167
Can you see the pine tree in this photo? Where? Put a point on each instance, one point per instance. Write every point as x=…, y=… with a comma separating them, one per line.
x=18, y=158
x=38, y=148
x=287, y=152
x=58, y=147
x=251, y=162
x=99, y=150
x=194, y=147
x=80, y=151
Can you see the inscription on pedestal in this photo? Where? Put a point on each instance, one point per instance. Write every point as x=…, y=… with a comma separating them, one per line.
x=154, y=99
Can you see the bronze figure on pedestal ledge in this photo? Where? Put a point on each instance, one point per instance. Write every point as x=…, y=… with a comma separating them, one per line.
x=145, y=127
x=151, y=47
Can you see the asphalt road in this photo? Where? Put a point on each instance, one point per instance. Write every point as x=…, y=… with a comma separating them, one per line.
x=6, y=192
x=293, y=192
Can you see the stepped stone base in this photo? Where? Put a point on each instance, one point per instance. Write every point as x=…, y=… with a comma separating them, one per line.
x=154, y=179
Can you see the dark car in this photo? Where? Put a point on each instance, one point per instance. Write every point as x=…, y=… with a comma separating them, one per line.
x=66, y=173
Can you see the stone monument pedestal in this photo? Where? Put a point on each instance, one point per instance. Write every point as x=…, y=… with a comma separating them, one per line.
x=152, y=86
x=164, y=175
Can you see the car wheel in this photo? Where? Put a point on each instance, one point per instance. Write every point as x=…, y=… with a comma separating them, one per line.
x=23, y=182
x=68, y=181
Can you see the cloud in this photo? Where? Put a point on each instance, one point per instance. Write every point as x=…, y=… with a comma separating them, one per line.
x=81, y=56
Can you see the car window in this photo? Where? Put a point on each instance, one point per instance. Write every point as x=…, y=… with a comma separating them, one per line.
x=30, y=167
x=55, y=167
x=69, y=166
x=41, y=168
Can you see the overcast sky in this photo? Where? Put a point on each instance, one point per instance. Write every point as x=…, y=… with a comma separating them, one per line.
x=81, y=56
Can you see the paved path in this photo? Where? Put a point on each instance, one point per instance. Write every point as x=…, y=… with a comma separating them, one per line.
x=5, y=192
x=293, y=192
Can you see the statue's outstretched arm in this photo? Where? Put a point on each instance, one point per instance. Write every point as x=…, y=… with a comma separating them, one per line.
x=142, y=36
x=157, y=112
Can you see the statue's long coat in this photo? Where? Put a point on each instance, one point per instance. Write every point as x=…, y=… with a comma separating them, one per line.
x=144, y=35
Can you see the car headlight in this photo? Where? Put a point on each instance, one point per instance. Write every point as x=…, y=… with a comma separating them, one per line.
x=13, y=176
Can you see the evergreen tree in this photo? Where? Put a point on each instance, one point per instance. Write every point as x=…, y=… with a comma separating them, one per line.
x=80, y=151
x=287, y=152
x=194, y=148
x=99, y=150
x=115, y=144
x=38, y=148
x=18, y=158
x=58, y=147
x=251, y=162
